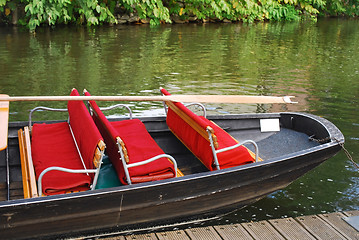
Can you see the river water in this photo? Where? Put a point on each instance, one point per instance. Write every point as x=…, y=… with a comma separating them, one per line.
x=318, y=62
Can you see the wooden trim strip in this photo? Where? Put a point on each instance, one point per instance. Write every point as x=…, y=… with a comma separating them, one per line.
x=179, y=173
x=188, y=120
x=214, y=137
x=31, y=170
x=124, y=149
x=98, y=153
x=24, y=167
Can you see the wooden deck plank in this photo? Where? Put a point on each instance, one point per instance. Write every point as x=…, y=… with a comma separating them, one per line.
x=291, y=229
x=322, y=227
x=262, y=230
x=337, y=222
x=352, y=213
x=233, y=232
x=145, y=236
x=116, y=238
x=319, y=228
x=172, y=235
x=204, y=233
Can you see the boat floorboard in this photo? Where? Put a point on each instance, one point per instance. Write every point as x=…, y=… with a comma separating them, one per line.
x=321, y=226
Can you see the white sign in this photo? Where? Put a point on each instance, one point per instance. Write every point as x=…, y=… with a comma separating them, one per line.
x=270, y=125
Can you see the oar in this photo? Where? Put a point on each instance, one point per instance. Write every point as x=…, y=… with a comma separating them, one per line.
x=173, y=98
x=5, y=99
x=4, y=119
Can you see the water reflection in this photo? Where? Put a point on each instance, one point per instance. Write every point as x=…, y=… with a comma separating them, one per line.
x=316, y=62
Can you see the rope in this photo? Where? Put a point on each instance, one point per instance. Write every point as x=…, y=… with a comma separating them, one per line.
x=349, y=156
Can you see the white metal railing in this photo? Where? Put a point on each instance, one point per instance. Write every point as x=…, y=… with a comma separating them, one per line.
x=215, y=152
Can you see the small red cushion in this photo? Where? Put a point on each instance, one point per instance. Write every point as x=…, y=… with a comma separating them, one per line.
x=200, y=146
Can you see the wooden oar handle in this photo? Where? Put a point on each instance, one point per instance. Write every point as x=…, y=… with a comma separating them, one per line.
x=173, y=98
x=230, y=99
x=4, y=119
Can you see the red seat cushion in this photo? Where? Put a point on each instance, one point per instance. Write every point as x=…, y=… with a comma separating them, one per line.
x=52, y=145
x=199, y=145
x=139, y=144
x=231, y=158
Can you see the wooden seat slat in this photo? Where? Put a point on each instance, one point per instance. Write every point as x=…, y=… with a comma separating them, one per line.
x=27, y=167
x=30, y=164
x=24, y=167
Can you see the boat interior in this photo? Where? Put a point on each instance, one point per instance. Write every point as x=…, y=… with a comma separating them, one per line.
x=277, y=142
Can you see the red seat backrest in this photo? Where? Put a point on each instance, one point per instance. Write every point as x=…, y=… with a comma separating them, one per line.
x=85, y=131
x=108, y=132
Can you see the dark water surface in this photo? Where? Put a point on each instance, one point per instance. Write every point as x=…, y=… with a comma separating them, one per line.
x=316, y=62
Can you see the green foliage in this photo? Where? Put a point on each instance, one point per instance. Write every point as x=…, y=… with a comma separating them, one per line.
x=336, y=7
x=153, y=9
x=2, y=4
x=245, y=10
x=94, y=12
x=64, y=11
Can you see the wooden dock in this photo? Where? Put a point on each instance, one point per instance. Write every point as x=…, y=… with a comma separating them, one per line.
x=321, y=226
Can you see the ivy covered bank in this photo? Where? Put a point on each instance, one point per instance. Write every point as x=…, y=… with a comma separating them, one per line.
x=34, y=13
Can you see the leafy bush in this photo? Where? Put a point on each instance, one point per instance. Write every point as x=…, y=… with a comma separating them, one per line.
x=64, y=11
x=94, y=12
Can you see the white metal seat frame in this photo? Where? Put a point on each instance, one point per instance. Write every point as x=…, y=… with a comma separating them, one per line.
x=126, y=166
x=55, y=168
x=215, y=152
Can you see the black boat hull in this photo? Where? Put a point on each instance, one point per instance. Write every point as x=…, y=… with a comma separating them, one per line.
x=195, y=196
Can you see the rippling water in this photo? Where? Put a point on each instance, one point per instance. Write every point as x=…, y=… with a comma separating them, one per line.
x=316, y=62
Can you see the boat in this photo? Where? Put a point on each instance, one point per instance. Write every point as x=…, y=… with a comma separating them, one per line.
x=302, y=142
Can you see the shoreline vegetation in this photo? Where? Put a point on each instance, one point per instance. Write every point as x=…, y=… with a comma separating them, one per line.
x=35, y=13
